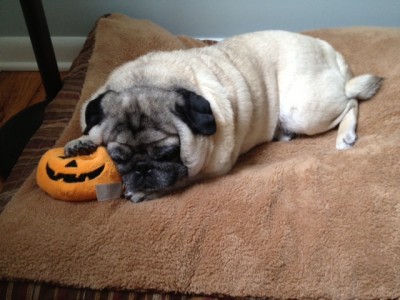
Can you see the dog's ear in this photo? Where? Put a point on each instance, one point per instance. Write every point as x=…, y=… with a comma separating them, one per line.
x=94, y=113
x=196, y=113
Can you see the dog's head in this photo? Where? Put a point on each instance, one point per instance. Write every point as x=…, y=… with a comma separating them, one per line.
x=149, y=133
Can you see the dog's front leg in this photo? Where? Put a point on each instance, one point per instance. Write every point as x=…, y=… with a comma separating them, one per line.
x=80, y=146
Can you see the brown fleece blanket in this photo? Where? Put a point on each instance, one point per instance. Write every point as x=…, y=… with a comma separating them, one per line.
x=293, y=219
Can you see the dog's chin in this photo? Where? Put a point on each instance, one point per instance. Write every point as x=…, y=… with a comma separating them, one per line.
x=140, y=196
x=137, y=197
x=153, y=183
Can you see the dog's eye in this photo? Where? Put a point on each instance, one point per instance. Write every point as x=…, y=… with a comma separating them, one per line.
x=165, y=152
x=119, y=153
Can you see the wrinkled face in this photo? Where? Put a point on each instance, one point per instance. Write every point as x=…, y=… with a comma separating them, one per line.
x=139, y=129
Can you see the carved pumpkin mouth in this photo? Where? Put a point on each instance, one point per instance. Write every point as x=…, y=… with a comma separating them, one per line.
x=73, y=178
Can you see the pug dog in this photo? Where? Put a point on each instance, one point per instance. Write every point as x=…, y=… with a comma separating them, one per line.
x=168, y=119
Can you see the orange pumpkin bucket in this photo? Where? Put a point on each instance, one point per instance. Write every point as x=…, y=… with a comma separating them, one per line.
x=75, y=178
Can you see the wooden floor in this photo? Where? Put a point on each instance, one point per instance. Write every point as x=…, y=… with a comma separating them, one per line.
x=18, y=90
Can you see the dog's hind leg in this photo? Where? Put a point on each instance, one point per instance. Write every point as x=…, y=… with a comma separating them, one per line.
x=362, y=87
x=282, y=134
x=347, y=135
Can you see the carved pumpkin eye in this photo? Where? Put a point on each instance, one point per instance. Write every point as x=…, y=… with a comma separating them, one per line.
x=72, y=164
x=75, y=179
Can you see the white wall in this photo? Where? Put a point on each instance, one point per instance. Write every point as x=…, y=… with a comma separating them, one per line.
x=201, y=18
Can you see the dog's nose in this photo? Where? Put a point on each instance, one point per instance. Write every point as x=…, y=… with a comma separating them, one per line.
x=142, y=170
x=144, y=174
x=142, y=167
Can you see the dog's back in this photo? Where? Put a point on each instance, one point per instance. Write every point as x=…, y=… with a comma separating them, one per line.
x=309, y=79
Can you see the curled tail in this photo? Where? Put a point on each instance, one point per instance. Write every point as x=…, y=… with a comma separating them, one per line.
x=363, y=87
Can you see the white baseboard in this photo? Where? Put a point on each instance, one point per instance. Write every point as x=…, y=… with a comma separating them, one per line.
x=16, y=53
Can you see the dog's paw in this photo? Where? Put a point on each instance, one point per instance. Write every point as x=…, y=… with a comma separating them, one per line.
x=346, y=141
x=80, y=146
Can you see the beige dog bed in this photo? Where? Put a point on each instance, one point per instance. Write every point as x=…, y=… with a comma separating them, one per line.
x=291, y=220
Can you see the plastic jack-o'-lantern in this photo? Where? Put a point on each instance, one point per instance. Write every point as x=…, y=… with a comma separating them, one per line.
x=75, y=178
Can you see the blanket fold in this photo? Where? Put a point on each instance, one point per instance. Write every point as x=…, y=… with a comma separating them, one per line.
x=293, y=219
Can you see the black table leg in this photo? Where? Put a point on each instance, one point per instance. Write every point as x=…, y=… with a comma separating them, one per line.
x=42, y=46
